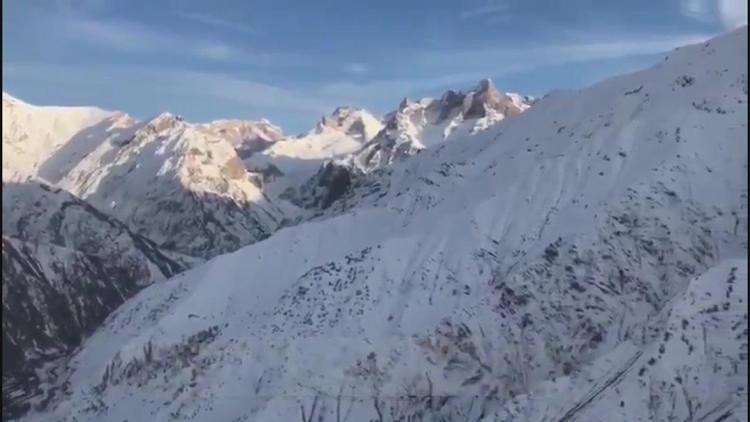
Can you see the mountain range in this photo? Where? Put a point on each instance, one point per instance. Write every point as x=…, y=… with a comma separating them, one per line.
x=481, y=256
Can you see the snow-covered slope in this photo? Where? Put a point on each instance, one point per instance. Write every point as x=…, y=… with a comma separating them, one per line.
x=408, y=130
x=178, y=184
x=66, y=266
x=33, y=134
x=181, y=184
x=428, y=122
x=39, y=213
x=246, y=137
x=290, y=162
x=583, y=261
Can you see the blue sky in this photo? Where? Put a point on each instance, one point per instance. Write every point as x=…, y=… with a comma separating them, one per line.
x=292, y=61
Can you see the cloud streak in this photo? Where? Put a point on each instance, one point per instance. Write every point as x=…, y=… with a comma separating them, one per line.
x=486, y=10
x=159, y=81
x=559, y=53
x=356, y=68
x=118, y=35
x=462, y=68
x=733, y=13
x=730, y=13
x=247, y=92
x=701, y=10
x=216, y=22
x=133, y=38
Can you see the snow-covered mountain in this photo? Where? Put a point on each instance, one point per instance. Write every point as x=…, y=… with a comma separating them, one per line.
x=411, y=128
x=246, y=137
x=34, y=134
x=355, y=122
x=585, y=260
x=179, y=184
x=66, y=266
x=290, y=162
x=427, y=122
x=182, y=185
x=36, y=212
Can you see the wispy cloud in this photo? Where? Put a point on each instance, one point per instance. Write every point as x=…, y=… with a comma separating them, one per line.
x=730, y=13
x=118, y=35
x=486, y=10
x=702, y=10
x=557, y=53
x=134, y=38
x=357, y=68
x=152, y=81
x=247, y=92
x=733, y=13
x=216, y=22
x=214, y=51
x=461, y=68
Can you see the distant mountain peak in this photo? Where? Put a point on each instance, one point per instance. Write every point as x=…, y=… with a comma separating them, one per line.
x=405, y=102
x=165, y=121
x=486, y=85
x=352, y=121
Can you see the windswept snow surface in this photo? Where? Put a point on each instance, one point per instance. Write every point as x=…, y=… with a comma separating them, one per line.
x=583, y=261
x=33, y=134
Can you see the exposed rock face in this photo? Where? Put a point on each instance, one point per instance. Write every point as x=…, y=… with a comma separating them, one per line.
x=355, y=122
x=35, y=212
x=412, y=127
x=66, y=267
x=247, y=137
x=585, y=259
x=485, y=99
x=330, y=183
x=427, y=122
x=53, y=298
x=179, y=185
x=336, y=136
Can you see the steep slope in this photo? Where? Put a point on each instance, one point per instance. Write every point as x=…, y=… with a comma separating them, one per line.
x=427, y=122
x=246, y=137
x=32, y=134
x=408, y=130
x=39, y=213
x=178, y=184
x=290, y=162
x=181, y=184
x=585, y=258
x=66, y=266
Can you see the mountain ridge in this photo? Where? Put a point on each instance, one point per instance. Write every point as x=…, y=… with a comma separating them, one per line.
x=585, y=257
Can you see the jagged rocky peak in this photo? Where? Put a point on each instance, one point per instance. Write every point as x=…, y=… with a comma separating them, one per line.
x=164, y=121
x=415, y=125
x=246, y=136
x=486, y=85
x=122, y=120
x=243, y=130
x=485, y=99
x=353, y=121
x=451, y=98
x=427, y=292
x=404, y=104
x=477, y=101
